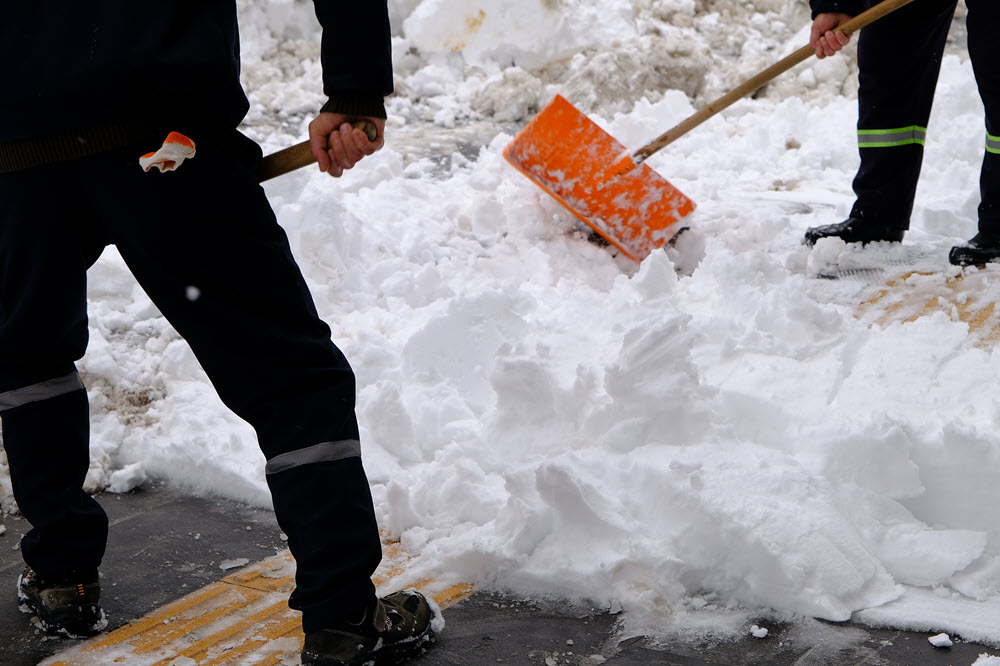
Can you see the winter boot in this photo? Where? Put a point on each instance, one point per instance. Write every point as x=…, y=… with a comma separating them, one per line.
x=854, y=230
x=394, y=628
x=980, y=249
x=67, y=606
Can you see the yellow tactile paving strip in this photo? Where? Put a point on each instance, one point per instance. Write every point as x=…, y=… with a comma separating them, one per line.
x=242, y=619
x=968, y=296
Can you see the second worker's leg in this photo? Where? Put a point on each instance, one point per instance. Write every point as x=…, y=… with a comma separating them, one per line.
x=984, y=49
x=899, y=58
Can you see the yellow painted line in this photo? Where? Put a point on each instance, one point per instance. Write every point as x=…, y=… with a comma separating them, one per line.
x=242, y=619
x=290, y=626
x=128, y=631
x=167, y=633
x=200, y=650
x=382, y=579
x=978, y=318
x=968, y=296
x=454, y=594
x=274, y=574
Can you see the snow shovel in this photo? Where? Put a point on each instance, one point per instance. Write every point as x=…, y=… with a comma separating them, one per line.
x=295, y=157
x=614, y=192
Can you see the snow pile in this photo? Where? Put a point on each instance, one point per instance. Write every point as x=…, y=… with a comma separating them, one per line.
x=987, y=660
x=690, y=446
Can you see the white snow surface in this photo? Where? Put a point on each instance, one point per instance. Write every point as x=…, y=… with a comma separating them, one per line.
x=709, y=437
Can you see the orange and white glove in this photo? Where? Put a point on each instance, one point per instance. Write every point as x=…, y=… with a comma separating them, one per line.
x=176, y=148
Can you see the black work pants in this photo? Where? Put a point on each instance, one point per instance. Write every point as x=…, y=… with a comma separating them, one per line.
x=204, y=244
x=899, y=58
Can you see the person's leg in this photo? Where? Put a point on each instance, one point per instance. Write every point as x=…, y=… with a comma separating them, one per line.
x=217, y=264
x=984, y=50
x=45, y=249
x=899, y=58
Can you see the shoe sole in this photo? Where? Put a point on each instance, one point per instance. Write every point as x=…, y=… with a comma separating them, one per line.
x=389, y=654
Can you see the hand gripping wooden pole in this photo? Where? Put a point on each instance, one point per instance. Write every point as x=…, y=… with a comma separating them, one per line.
x=300, y=155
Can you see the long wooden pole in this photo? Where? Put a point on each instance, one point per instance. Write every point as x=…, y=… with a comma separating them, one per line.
x=754, y=84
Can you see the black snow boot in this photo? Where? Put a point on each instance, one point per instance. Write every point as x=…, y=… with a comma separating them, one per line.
x=854, y=230
x=393, y=629
x=980, y=249
x=68, y=606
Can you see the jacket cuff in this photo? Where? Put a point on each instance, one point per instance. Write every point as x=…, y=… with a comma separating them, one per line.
x=849, y=7
x=358, y=105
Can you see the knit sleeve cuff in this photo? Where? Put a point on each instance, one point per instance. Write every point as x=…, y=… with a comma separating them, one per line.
x=849, y=7
x=360, y=105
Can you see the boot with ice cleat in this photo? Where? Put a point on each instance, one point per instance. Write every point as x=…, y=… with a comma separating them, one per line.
x=68, y=605
x=393, y=629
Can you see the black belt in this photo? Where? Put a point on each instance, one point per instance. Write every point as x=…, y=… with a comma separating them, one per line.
x=86, y=142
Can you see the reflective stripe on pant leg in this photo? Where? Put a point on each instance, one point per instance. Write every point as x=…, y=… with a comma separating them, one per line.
x=992, y=144
x=890, y=138
x=322, y=452
x=41, y=391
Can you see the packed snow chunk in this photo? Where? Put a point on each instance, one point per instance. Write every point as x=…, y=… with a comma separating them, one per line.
x=127, y=478
x=758, y=632
x=798, y=551
x=986, y=659
x=960, y=462
x=437, y=617
x=460, y=347
x=875, y=457
x=916, y=555
x=980, y=580
x=514, y=97
x=226, y=565
x=941, y=641
x=528, y=33
x=654, y=368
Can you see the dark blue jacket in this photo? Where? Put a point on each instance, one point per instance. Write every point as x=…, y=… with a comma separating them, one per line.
x=65, y=64
x=851, y=7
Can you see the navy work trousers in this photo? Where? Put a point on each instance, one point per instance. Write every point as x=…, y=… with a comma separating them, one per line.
x=899, y=58
x=253, y=327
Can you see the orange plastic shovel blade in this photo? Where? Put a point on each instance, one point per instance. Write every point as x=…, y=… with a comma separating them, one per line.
x=582, y=166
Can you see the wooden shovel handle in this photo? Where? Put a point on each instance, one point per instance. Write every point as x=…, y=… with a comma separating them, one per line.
x=300, y=155
x=671, y=135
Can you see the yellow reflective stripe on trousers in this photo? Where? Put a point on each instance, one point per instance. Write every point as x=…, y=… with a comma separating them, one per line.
x=890, y=138
x=40, y=391
x=992, y=144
